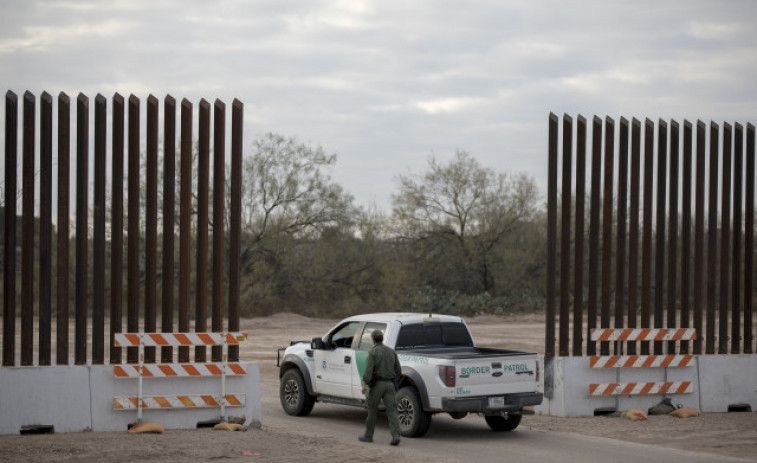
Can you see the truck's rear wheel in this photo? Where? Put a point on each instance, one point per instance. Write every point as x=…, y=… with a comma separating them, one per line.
x=414, y=421
x=293, y=393
x=500, y=423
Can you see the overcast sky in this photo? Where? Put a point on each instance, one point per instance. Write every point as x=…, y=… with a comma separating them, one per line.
x=385, y=84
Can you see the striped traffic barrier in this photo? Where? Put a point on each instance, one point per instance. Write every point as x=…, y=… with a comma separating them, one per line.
x=141, y=371
x=668, y=387
x=180, y=401
x=643, y=334
x=640, y=361
x=166, y=370
x=178, y=339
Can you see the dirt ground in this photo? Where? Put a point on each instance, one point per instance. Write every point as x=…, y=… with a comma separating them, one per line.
x=720, y=434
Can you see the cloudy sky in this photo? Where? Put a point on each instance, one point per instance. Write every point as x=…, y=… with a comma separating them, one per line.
x=385, y=84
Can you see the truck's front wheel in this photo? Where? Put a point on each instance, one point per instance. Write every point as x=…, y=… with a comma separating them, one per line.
x=293, y=393
x=414, y=421
x=500, y=423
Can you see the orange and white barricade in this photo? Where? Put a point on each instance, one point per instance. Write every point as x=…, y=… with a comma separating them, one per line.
x=641, y=361
x=637, y=388
x=179, y=370
x=643, y=334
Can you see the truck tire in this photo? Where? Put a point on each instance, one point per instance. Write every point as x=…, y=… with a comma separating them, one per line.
x=413, y=420
x=500, y=423
x=293, y=393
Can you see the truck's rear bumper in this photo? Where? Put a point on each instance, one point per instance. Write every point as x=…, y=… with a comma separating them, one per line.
x=481, y=404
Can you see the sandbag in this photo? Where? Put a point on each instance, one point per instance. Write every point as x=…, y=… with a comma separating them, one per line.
x=147, y=427
x=634, y=415
x=237, y=419
x=662, y=408
x=685, y=412
x=225, y=426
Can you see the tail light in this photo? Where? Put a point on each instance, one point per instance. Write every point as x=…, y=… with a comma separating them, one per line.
x=447, y=375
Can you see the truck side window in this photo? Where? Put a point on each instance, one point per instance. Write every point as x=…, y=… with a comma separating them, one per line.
x=365, y=340
x=343, y=335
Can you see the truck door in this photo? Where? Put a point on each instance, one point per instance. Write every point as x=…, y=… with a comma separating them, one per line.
x=361, y=355
x=334, y=365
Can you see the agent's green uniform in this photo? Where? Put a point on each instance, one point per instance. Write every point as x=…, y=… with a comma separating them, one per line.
x=382, y=366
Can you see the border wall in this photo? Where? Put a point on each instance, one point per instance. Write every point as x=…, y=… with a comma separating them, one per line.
x=667, y=244
x=125, y=271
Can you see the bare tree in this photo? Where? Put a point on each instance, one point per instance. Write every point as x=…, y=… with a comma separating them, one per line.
x=288, y=189
x=458, y=215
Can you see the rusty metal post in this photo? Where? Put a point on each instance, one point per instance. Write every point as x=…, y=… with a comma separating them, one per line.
x=646, y=251
x=699, y=255
x=201, y=270
x=549, y=348
x=578, y=277
x=673, y=232
x=712, y=240
x=659, y=274
x=82, y=227
x=725, y=241
x=235, y=220
x=219, y=197
x=686, y=232
x=151, y=223
x=567, y=166
x=27, y=235
x=633, y=231
x=749, y=240
x=132, y=323
x=185, y=223
x=9, y=233
x=738, y=167
x=62, y=274
x=117, y=228
x=620, y=250
x=594, y=209
x=607, y=201
x=169, y=200
x=45, y=227
x=98, y=243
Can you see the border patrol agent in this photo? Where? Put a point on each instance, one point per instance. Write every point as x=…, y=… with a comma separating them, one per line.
x=381, y=370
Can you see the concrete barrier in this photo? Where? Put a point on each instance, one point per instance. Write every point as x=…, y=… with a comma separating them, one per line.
x=80, y=398
x=719, y=381
x=58, y=396
x=727, y=380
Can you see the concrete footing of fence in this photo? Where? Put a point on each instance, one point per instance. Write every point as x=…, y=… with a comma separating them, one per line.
x=80, y=398
x=721, y=383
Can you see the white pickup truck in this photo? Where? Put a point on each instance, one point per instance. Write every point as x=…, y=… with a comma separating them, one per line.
x=442, y=371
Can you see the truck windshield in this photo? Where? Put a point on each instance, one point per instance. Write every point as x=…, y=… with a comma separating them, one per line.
x=420, y=335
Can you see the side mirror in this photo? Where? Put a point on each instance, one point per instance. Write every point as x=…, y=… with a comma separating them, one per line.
x=317, y=343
